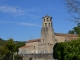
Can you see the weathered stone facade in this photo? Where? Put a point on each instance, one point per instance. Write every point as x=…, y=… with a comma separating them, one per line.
x=38, y=57
x=42, y=49
x=47, y=35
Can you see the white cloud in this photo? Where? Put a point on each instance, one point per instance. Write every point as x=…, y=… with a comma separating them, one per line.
x=17, y=11
x=8, y=9
x=28, y=24
x=14, y=10
x=20, y=23
x=31, y=15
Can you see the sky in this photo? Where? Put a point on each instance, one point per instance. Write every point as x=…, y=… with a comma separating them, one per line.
x=22, y=19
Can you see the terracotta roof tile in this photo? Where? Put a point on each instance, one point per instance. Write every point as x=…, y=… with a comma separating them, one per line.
x=34, y=40
x=68, y=35
x=72, y=38
x=26, y=46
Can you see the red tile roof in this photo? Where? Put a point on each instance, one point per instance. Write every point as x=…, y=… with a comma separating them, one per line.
x=34, y=40
x=72, y=38
x=26, y=46
x=68, y=35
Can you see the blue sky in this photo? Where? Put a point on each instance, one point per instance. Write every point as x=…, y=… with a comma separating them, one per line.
x=22, y=19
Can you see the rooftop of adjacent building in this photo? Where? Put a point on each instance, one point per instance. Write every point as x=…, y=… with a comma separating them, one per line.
x=26, y=46
x=69, y=36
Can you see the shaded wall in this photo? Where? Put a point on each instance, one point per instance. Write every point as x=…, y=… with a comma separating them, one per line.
x=38, y=57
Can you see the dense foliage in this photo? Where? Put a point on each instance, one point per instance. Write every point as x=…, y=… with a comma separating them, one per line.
x=67, y=50
x=8, y=49
x=2, y=42
x=75, y=30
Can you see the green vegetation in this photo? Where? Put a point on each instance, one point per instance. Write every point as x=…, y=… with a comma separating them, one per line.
x=75, y=30
x=67, y=50
x=8, y=48
x=2, y=42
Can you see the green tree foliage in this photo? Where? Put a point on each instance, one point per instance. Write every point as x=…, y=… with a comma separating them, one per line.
x=10, y=45
x=2, y=42
x=75, y=30
x=17, y=57
x=8, y=49
x=3, y=51
x=71, y=31
x=19, y=43
x=67, y=50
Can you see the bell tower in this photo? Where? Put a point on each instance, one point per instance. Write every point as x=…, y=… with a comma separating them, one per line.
x=47, y=33
x=47, y=21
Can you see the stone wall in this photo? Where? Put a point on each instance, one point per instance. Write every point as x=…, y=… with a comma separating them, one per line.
x=38, y=57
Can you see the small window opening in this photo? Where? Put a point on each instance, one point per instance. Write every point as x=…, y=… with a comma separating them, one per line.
x=47, y=19
x=44, y=19
x=45, y=24
x=43, y=40
x=55, y=40
x=48, y=42
x=34, y=47
x=50, y=19
x=49, y=24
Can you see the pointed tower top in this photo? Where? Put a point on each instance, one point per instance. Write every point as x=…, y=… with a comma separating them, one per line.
x=47, y=15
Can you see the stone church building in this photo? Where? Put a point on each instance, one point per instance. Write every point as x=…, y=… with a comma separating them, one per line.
x=48, y=39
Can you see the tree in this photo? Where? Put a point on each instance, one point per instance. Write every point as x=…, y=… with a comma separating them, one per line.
x=20, y=44
x=67, y=50
x=17, y=57
x=9, y=48
x=3, y=52
x=12, y=47
x=71, y=31
x=2, y=42
x=75, y=30
x=73, y=9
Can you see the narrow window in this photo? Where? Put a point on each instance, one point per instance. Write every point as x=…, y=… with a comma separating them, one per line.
x=43, y=40
x=44, y=19
x=55, y=40
x=45, y=24
x=47, y=19
x=49, y=24
x=34, y=47
x=50, y=19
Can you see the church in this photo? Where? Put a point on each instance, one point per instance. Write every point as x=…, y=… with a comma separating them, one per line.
x=48, y=39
